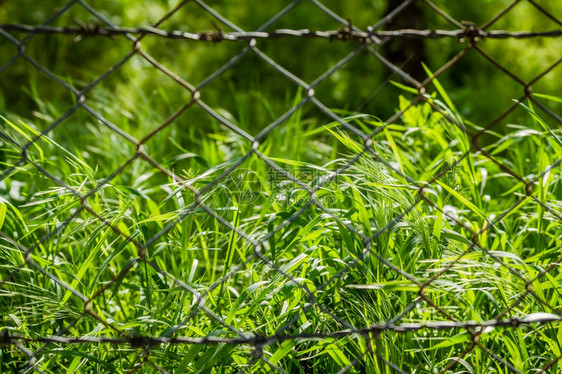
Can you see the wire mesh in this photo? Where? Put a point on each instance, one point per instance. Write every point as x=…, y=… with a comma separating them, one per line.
x=198, y=315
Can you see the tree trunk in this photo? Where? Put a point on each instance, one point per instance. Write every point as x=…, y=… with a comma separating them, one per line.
x=406, y=53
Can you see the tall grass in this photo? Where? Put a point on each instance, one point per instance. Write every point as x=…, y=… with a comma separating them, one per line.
x=405, y=211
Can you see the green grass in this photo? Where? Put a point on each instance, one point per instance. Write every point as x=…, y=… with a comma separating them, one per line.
x=473, y=223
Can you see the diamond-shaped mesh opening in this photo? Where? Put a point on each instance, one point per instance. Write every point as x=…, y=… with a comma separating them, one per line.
x=276, y=51
x=37, y=293
x=157, y=304
x=251, y=111
x=527, y=128
x=79, y=147
x=37, y=209
x=259, y=289
x=530, y=17
x=205, y=61
x=74, y=61
x=32, y=97
x=467, y=297
x=479, y=16
x=474, y=203
x=156, y=94
x=462, y=82
x=356, y=86
x=328, y=143
x=504, y=53
x=421, y=129
x=381, y=298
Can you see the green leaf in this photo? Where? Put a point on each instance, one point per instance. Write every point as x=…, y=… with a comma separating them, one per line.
x=3, y=210
x=282, y=351
x=337, y=355
x=549, y=97
x=457, y=339
x=404, y=87
x=462, y=199
x=24, y=134
x=541, y=122
x=440, y=89
x=288, y=161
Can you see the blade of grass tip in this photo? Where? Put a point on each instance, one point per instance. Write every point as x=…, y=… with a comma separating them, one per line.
x=189, y=357
x=404, y=87
x=73, y=367
x=16, y=211
x=24, y=134
x=87, y=264
x=148, y=295
x=323, y=128
x=229, y=257
x=440, y=89
x=219, y=353
x=3, y=210
x=543, y=187
x=337, y=355
x=541, y=122
x=439, y=220
x=395, y=149
x=283, y=350
x=288, y=161
x=362, y=213
x=70, y=155
x=549, y=97
x=347, y=141
x=462, y=199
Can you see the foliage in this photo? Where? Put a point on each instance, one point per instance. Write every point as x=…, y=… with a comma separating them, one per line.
x=306, y=255
x=472, y=219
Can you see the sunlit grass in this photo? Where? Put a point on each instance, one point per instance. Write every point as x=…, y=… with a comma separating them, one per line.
x=421, y=202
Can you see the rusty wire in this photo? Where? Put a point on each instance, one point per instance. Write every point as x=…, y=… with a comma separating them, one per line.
x=95, y=30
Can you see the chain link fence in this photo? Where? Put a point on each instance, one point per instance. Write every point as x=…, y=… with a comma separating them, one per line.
x=223, y=281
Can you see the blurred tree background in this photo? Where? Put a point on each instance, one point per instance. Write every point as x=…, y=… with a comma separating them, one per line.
x=252, y=93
